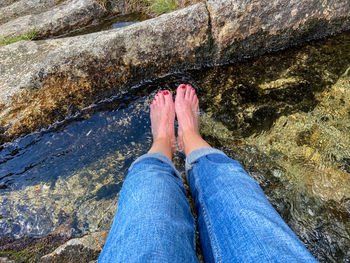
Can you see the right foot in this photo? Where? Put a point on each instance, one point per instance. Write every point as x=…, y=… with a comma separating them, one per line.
x=187, y=112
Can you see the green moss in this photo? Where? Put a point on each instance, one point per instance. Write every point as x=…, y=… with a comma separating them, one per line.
x=158, y=7
x=59, y=2
x=29, y=36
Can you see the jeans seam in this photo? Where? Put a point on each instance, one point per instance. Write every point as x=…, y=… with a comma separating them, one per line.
x=208, y=225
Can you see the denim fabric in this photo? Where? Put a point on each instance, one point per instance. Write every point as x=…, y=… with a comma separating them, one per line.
x=236, y=222
x=153, y=222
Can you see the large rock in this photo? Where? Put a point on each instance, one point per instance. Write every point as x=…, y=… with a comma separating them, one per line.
x=24, y=7
x=7, y=2
x=42, y=82
x=249, y=28
x=48, y=76
x=58, y=20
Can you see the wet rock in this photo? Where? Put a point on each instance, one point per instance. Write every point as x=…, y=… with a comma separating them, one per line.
x=24, y=7
x=28, y=249
x=77, y=70
x=84, y=249
x=70, y=14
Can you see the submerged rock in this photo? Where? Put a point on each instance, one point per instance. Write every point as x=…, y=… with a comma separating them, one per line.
x=86, y=249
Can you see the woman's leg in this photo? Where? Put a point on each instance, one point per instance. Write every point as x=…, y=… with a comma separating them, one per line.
x=153, y=222
x=235, y=220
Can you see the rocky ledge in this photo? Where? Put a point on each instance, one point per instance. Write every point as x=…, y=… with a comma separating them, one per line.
x=42, y=82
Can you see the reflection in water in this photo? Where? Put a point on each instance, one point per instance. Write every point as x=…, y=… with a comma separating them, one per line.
x=284, y=116
x=107, y=23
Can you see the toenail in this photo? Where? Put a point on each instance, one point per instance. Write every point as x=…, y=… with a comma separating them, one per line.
x=189, y=85
x=166, y=92
x=183, y=86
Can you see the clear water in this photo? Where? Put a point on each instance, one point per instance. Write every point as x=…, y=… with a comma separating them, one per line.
x=107, y=23
x=285, y=117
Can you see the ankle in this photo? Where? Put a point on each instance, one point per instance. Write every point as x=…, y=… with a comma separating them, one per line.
x=164, y=146
x=192, y=140
x=163, y=140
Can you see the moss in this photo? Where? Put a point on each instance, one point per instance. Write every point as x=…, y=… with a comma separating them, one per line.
x=158, y=7
x=29, y=249
x=60, y=2
x=29, y=36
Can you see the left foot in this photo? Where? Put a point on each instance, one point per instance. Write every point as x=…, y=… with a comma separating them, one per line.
x=162, y=122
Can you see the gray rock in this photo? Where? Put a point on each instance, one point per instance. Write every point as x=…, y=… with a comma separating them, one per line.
x=90, y=65
x=7, y=2
x=24, y=7
x=86, y=249
x=249, y=28
x=58, y=20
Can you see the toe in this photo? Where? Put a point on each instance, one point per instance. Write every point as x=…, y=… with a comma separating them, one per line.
x=156, y=99
x=180, y=92
x=168, y=98
x=192, y=94
x=161, y=98
x=188, y=92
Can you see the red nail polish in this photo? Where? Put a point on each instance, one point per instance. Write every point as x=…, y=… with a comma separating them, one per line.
x=166, y=92
x=189, y=85
x=156, y=95
x=183, y=86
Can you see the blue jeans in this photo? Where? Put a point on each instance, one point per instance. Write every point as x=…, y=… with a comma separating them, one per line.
x=236, y=223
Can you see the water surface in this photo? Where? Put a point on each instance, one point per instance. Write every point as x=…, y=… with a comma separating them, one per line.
x=285, y=117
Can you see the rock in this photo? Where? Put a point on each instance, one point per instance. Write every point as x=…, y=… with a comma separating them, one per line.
x=42, y=82
x=70, y=14
x=7, y=2
x=78, y=70
x=248, y=28
x=6, y=260
x=24, y=7
x=85, y=249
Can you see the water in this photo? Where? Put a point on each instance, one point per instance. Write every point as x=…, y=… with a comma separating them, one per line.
x=285, y=117
x=107, y=23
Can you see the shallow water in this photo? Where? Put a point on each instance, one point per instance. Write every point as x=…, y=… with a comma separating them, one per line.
x=285, y=117
x=107, y=23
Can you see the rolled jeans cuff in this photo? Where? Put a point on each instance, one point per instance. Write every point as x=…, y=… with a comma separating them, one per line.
x=160, y=157
x=196, y=154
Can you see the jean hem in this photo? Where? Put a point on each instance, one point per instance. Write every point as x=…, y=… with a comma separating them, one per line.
x=160, y=157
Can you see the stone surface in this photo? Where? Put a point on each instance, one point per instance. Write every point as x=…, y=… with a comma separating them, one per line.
x=85, y=249
x=58, y=20
x=76, y=70
x=250, y=28
x=42, y=82
x=7, y=2
x=24, y=7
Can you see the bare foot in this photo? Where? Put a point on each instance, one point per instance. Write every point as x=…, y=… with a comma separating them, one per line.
x=162, y=122
x=187, y=112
